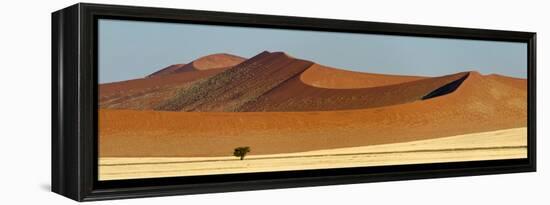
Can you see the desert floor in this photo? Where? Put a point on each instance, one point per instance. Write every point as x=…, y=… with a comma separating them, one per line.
x=294, y=114
x=500, y=144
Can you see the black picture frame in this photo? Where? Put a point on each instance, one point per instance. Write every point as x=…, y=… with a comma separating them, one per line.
x=74, y=107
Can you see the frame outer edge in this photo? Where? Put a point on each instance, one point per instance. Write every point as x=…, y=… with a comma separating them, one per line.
x=86, y=112
x=55, y=69
x=71, y=114
x=532, y=102
x=65, y=130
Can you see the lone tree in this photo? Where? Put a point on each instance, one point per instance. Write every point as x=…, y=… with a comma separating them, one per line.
x=241, y=152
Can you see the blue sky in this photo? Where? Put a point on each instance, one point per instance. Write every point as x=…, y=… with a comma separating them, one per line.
x=134, y=49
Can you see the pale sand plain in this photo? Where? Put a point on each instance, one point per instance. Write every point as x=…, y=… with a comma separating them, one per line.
x=493, y=145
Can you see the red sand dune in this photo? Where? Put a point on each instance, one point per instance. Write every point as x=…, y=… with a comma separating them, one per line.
x=166, y=71
x=515, y=82
x=145, y=93
x=294, y=95
x=385, y=110
x=214, y=61
x=272, y=82
x=243, y=83
x=148, y=92
x=327, y=77
x=478, y=104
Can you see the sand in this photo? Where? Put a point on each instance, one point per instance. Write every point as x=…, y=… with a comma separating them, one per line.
x=216, y=61
x=145, y=93
x=501, y=144
x=327, y=77
x=243, y=83
x=478, y=105
x=273, y=82
x=276, y=82
x=295, y=95
x=293, y=115
x=209, y=62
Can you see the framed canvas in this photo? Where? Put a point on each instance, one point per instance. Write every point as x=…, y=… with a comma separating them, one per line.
x=156, y=101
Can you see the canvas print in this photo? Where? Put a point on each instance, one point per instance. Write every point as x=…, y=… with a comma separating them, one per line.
x=179, y=99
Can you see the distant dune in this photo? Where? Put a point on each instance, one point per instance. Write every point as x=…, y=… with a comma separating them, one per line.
x=147, y=92
x=276, y=104
x=214, y=61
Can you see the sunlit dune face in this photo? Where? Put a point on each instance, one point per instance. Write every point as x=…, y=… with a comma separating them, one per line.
x=327, y=77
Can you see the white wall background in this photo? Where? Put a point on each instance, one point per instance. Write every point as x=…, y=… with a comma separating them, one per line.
x=25, y=102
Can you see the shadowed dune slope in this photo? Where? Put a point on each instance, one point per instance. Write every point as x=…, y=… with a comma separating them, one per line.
x=148, y=92
x=327, y=77
x=243, y=83
x=479, y=104
x=145, y=93
x=214, y=61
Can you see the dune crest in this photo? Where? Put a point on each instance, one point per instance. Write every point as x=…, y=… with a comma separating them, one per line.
x=518, y=83
x=327, y=77
x=214, y=61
